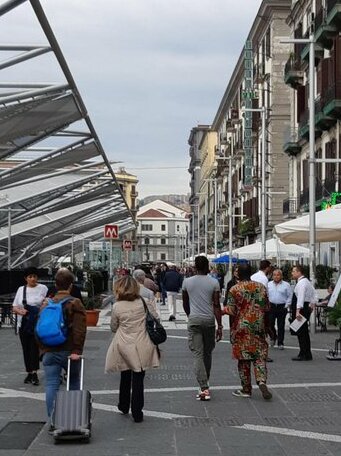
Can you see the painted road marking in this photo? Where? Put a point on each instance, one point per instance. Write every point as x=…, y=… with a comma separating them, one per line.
x=224, y=388
x=291, y=432
x=228, y=342
x=6, y=393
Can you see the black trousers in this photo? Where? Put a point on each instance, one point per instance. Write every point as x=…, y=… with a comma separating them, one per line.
x=303, y=332
x=30, y=351
x=131, y=384
x=278, y=312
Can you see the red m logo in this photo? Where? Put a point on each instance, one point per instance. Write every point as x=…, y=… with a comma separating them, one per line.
x=110, y=231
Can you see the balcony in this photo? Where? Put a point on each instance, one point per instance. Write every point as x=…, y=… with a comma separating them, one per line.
x=324, y=33
x=293, y=73
x=332, y=101
x=291, y=145
x=334, y=13
x=303, y=131
x=322, y=120
x=223, y=139
x=319, y=52
x=230, y=127
x=290, y=207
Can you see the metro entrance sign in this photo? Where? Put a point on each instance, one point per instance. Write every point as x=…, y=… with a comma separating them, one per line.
x=110, y=231
x=127, y=244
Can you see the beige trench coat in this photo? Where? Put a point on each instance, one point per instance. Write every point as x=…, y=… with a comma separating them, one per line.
x=131, y=347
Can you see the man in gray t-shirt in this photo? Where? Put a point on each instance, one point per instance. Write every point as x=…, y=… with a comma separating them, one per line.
x=201, y=301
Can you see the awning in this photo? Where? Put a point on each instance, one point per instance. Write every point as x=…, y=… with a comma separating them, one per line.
x=274, y=249
x=328, y=227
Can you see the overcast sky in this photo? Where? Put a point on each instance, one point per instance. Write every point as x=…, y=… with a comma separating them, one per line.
x=148, y=71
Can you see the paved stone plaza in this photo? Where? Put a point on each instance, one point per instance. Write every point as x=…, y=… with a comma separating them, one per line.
x=304, y=417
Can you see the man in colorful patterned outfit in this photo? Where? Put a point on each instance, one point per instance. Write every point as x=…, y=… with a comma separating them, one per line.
x=248, y=307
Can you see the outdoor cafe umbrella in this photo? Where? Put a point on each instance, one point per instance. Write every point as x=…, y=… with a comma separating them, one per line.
x=328, y=227
x=274, y=249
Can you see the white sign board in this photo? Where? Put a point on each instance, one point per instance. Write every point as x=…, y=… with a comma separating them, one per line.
x=96, y=245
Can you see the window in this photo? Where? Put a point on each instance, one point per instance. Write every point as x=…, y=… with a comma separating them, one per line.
x=162, y=256
x=146, y=227
x=163, y=227
x=177, y=227
x=163, y=241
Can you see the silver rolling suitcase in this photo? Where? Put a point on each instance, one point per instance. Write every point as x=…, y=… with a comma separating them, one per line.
x=71, y=417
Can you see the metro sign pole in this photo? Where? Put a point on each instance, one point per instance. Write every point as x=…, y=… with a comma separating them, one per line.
x=111, y=232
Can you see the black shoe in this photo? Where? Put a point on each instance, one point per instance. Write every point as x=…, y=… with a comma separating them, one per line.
x=269, y=360
x=138, y=418
x=122, y=410
x=51, y=430
x=28, y=378
x=171, y=318
x=35, y=379
x=301, y=358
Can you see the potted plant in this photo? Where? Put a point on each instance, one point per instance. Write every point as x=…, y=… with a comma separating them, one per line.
x=92, y=305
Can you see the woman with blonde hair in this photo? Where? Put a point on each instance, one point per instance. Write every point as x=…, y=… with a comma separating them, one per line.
x=131, y=351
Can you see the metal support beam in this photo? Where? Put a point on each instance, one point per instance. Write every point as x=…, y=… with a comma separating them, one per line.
x=23, y=57
x=9, y=5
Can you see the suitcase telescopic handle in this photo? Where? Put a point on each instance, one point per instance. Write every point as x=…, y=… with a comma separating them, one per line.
x=68, y=373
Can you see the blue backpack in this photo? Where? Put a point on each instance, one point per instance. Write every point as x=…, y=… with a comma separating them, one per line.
x=51, y=328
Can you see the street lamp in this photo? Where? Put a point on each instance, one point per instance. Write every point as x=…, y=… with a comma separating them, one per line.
x=214, y=180
x=205, y=225
x=262, y=110
x=312, y=161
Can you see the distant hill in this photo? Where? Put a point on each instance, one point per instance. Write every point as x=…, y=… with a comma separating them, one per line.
x=181, y=201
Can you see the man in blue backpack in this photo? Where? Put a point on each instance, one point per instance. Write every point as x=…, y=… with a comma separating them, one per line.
x=55, y=358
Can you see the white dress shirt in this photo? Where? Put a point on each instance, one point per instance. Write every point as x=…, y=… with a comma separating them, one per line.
x=305, y=292
x=260, y=277
x=280, y=293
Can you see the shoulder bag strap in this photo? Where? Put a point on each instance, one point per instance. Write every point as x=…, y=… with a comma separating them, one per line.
x=24, y=300
x=144, y=304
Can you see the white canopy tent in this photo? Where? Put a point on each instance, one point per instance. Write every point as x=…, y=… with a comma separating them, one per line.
x=328, y=227
x=274, y=249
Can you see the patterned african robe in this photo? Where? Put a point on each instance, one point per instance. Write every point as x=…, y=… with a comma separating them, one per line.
x=247, y=303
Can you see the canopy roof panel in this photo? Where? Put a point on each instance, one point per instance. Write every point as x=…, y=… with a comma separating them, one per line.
x=50, y=162
x=31, y=125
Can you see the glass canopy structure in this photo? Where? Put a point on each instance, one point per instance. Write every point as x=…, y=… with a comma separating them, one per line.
x=57, y=185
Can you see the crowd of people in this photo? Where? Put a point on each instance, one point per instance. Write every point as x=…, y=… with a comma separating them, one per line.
x=256, y=305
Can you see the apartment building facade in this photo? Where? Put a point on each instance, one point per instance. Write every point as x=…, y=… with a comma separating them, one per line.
x=162, y=233
x=323, y=19
x=257, y=81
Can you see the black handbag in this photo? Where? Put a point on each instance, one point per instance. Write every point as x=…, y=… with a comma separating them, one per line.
x=155, y=330
x=29, y=321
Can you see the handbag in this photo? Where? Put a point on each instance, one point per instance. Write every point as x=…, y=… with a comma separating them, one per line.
x=155, y=330
x=28, y=321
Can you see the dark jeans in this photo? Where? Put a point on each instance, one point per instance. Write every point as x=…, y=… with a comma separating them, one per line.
x=303, y=332
x=132, y=384
x=30, y=350
x=278, y=312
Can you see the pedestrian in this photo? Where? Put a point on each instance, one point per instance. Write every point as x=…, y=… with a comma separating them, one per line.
x=304, y=298
x=131, y=351
x=201, y=302
x=280, y=297
x=56, y=358
x=164, y=269
x=261, y=275
x=26, y=304
x=248, y=307
x=172, y=283
x=231, y=283
x=147, y=294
